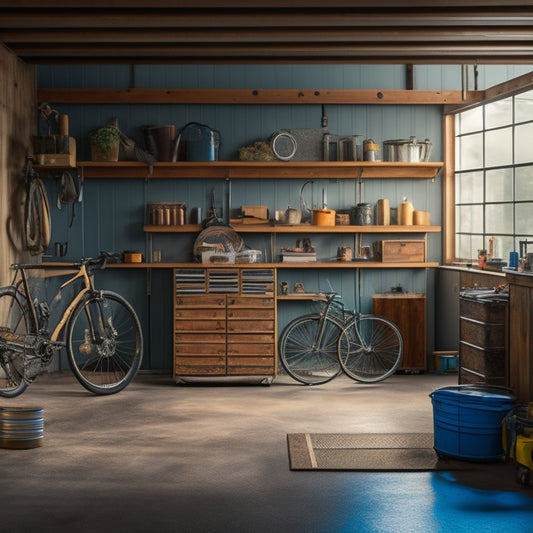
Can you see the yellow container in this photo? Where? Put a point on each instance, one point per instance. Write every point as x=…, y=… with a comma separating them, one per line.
x=323, y=217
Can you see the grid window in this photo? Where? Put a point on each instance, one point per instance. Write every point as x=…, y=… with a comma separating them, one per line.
x=494, y=177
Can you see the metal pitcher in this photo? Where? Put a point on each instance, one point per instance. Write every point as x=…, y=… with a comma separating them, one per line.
x=407, y=150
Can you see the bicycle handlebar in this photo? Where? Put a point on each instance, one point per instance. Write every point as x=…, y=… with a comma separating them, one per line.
x=91, y=263
x=100, y=262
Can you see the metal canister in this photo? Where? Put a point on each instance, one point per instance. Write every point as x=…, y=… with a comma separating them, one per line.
x=362, y=215
x=370, y=150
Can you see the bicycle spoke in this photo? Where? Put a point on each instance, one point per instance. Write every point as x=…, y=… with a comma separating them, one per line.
x=15, y=324
x=308, y=349
x=370, y=349
x=104, y=343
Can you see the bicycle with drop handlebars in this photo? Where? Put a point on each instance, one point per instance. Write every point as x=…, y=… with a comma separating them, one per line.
x=99, y=329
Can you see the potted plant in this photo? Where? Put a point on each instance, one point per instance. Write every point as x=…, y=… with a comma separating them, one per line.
x=105, y=142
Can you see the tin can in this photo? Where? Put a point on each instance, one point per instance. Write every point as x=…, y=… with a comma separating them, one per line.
x=362, y=215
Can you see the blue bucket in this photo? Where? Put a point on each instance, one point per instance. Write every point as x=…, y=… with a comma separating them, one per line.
x=467, y=420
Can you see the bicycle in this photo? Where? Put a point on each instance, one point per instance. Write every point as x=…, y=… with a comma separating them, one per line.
x=315, y=348
x=100, y=330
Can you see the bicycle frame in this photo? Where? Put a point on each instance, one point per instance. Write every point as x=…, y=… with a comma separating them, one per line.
x=88, y=286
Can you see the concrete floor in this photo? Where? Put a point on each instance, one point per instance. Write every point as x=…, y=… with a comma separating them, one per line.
x=163, y=457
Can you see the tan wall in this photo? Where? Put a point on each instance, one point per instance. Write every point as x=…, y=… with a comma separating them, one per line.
x=18, y=90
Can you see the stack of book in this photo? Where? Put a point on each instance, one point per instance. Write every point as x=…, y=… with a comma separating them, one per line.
x=224, y=281
x=298, y=257
x=258, y=281
x=191, y=280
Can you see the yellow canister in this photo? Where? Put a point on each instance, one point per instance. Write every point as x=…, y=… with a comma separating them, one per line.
x=421, y=218
x=405, y=214
x=323, y=217
x=383, y=212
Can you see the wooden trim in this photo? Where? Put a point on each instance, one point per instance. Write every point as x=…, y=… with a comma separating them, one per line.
x=508, y=88
x=257, y=96
x=448, y=190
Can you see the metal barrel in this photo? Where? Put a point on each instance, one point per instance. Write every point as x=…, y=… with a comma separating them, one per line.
x=21, y=427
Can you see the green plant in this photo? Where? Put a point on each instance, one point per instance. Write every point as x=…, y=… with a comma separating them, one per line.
x=105, y=137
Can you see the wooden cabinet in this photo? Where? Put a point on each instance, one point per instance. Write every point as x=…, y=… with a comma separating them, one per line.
x=521, y=335
x=200, y=335
x=251, y=335
x=224, y=334
x=482, y=346
x=408, y=312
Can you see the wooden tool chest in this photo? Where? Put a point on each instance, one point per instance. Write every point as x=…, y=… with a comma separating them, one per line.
x=482, y=347
x=220, y=334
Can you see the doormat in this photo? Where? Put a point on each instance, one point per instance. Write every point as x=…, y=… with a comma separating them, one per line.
x=385, y=452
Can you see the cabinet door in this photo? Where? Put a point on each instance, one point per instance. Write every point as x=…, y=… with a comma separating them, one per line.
x=200, y=335
x=408, y=312
x=521, y=338
x=251, y=328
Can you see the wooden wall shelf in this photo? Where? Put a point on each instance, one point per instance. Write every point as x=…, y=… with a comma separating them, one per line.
x=259, y=170
x=308, y=265
x=297, y=228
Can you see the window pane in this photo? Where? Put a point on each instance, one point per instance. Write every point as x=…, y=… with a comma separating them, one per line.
x=524, y=107
x=524, y=218
x=469, y=219
x=523, y=151
x=467, y=246
x=499, y=113
x=499, y=218
x=469, y=187
x=499, y=185
x=469, y=152
x=469, y=121
x=524, y=183
x=502, y=247
x=499, y=147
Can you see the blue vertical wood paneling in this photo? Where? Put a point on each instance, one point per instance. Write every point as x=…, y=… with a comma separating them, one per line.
x=113, y=211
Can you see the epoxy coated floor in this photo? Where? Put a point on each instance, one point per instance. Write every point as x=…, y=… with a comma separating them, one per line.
x=162, y=457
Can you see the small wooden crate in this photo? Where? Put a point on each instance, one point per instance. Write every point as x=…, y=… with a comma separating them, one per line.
x=59, y=160
x=399, y=251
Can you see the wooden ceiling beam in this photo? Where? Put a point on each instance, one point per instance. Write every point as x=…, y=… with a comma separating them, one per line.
x=152, y=37
x=366, y=52
x=93, y=19
x=158, y=31
x=267, y=4
x=258, y=96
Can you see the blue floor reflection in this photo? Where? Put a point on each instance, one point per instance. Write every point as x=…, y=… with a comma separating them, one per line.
x=428, y=503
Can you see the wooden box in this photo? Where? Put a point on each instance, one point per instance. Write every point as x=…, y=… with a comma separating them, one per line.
x=58, y=159
x=400, y=251
x=255, y=211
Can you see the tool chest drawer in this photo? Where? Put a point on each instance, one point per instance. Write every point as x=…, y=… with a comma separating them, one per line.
x=223, y=334
x=483, y=338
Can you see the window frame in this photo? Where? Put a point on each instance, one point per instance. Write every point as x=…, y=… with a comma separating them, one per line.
x=505, y=90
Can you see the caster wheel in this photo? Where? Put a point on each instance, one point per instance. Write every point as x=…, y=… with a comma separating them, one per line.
x=522, y=475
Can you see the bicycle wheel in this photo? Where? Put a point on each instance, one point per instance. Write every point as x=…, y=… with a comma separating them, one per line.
x=104, y=343
x=15, y=322
x=308, y=352
x=370, y=348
